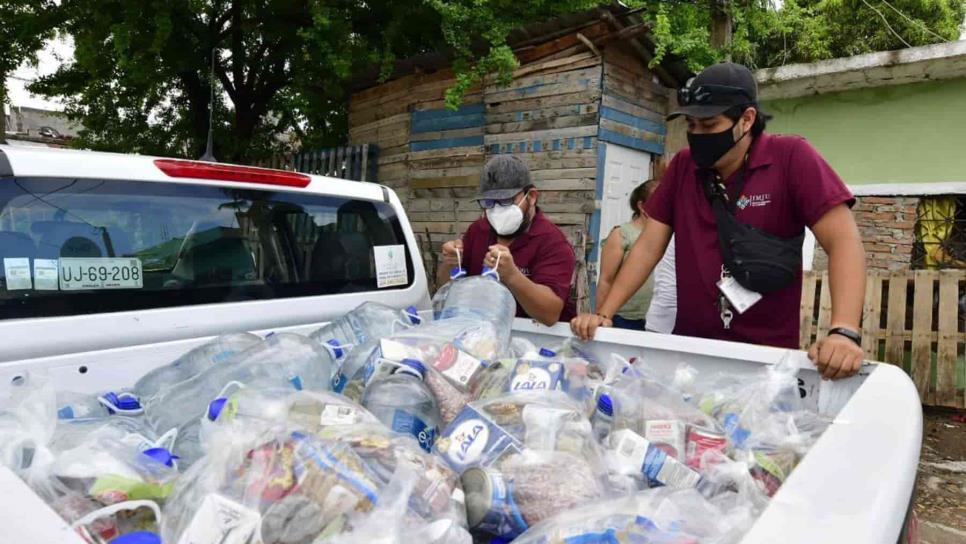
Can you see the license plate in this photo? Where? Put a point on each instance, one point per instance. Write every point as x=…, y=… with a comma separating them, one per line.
x=100, y=273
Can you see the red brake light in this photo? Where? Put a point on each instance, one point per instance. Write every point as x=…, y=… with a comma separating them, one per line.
x=228, y=172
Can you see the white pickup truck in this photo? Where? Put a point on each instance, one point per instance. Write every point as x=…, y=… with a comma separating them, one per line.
x=116, y=264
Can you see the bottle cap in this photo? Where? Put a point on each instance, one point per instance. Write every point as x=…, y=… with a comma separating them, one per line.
x=215, y=407
x=412, y=365
x=605, y=405
x=138, y=537
x=125, y=402
x=336, y=348
x=544, y=352
x=413, y=315
x=161, y=455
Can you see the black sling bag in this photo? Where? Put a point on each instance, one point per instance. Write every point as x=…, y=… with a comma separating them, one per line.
x=758, y=260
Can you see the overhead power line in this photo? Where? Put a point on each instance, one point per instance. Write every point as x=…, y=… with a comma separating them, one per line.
x=886, y=21
x=918, y=22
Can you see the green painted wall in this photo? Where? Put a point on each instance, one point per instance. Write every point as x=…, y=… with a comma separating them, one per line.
x=903, y=134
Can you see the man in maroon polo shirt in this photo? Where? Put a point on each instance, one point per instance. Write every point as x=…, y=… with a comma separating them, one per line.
x=531, y=255
x=783, y=185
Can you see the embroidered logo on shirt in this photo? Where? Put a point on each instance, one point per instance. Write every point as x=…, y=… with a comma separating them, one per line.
x=525, y=271
x=755, y=201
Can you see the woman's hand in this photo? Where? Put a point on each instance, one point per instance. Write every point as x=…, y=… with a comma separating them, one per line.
x=584, y=326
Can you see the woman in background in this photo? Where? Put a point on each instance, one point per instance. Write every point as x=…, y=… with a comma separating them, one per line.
x=618, y=243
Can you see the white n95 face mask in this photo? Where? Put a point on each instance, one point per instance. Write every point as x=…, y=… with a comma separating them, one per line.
x=505, y=220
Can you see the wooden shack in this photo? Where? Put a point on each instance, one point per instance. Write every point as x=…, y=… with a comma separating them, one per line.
x=584, y=111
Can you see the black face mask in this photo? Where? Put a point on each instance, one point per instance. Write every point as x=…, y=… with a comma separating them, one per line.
x=707, y=149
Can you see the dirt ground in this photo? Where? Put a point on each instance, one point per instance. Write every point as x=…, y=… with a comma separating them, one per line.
x=941, y=489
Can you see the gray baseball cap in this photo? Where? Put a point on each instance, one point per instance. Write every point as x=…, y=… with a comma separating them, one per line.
x=503, y=177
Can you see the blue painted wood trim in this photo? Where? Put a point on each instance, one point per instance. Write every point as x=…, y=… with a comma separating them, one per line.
x=637, y=122
x=446, y=112
x=446, y=142
x=594, y=228
x=448, y=123
x=632, y=142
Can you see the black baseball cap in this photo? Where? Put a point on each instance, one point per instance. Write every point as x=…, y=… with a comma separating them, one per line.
x=503, y=176
x=717, y=88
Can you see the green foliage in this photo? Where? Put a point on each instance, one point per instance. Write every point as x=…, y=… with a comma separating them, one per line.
x=139, y=78
x=24, y=27
x=764, y=34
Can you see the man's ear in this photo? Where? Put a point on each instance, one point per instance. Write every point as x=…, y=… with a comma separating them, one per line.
x=748, y=119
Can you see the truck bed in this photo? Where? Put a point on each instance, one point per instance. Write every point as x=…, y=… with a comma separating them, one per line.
x=854, y=485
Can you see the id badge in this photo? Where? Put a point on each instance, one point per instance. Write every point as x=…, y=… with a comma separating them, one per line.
x=740, y=298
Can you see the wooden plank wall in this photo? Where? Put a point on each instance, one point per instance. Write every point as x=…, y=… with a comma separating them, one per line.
x=550, y=116
x=912, y=318
x=633, y=105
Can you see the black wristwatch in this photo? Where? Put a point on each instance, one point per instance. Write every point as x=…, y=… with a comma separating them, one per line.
x=848, y=333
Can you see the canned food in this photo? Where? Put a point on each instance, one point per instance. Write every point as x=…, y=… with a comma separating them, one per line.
x=701, y=440
x=490, y=506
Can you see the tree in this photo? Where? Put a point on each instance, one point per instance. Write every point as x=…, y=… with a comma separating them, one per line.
x=139, y=80
x=764, y=33
x=24, y=26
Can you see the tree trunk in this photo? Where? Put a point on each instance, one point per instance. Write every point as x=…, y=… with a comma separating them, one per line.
x=720, y=25
x=3, y=113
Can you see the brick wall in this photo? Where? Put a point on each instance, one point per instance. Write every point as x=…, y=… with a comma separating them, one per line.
x=887, y=225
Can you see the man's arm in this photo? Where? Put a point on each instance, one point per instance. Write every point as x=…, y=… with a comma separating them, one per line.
x=640, y=262
x=538, y=301
x=610, y=263
x=835, y=355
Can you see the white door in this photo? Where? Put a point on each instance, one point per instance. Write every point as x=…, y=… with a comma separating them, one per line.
x=624, y=169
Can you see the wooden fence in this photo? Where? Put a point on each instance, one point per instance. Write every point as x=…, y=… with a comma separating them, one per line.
x=915, y=319
x=356, y=163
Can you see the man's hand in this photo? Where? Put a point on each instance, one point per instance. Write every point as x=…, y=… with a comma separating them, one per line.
x=499, y=257
x=452, y=252
x=836, y=357
x=584, y=326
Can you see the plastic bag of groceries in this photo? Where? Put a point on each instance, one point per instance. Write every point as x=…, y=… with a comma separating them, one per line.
x=451, y=359
x=284, y=487
x=765, y=421
x=660, y=516
x=282, y=360
x=391, y=520
x=101, y=475
x=523, y=457
x=27, y=423
x=742, y=404
x=539, y=369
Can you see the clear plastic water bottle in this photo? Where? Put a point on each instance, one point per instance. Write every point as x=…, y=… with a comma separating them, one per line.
x=194, y=362
x=484, y=298
x=281, y=360
x=70, y=433
x=439, y=299
x=81, y=406
x=404, y=403
x=350, y=377
x=367, y=322
x=602, y=421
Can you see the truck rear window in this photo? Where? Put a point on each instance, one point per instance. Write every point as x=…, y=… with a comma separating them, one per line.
x=81, y=246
